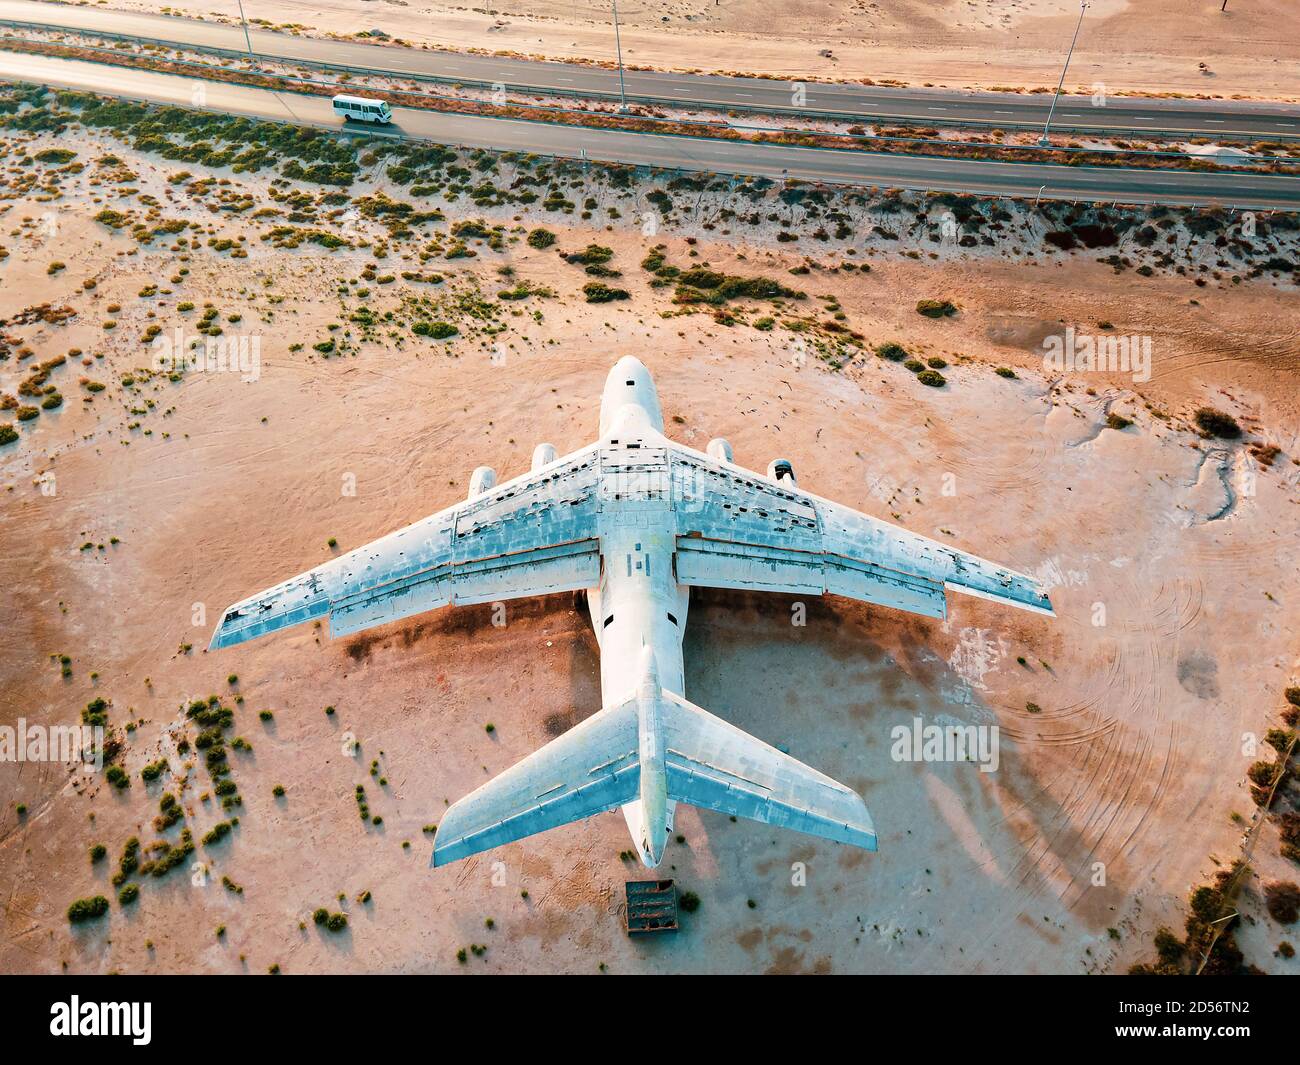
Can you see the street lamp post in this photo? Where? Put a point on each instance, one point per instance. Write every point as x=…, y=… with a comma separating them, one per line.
x=618, y=44
x=1052, y=110
x=247, y=40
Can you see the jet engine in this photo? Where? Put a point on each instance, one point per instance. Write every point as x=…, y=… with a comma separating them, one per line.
x=719, y=449
x=781, y=470
x=543, y=455
x=481, y=480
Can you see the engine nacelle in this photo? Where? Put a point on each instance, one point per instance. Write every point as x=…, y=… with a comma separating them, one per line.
x=719, y=449
x=543, y=455
x=481, y=480
x=781, y=470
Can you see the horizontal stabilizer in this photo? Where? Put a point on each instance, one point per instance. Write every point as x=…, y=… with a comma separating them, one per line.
x=716, y=766
x=590, y=769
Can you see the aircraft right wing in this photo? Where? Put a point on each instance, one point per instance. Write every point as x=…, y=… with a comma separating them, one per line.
x=533, y=535
x=738, y=529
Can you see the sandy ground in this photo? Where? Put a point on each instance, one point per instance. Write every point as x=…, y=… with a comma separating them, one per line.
x=1111, y=802
x=1151, y=46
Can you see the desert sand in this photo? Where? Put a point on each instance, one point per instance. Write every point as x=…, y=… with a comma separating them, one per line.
x=1114, y=797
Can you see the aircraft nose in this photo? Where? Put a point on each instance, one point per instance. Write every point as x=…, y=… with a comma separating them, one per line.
x=629, y=370
x=629, y=384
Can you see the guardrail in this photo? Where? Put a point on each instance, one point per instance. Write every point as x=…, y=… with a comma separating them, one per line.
x=611, y=95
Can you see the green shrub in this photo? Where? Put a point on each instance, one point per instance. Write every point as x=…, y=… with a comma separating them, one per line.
x=599, y=292
x=217, y=833
x=591, y=255
x=436, y=330
x=689, y=902
x=1282, y=897
x=1169, y=948
x=541, y=238
x=932, y=378
x=128, y=894
x=891, y=350
x=1213, y=422
x=935, y=308
x=87, y=909
x=1005, y=371
x=116, y=776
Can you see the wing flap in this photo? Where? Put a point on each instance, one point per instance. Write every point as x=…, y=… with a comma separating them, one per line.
x=590, y=769
x=721, y=564
x=755, y=567
x=714, y=765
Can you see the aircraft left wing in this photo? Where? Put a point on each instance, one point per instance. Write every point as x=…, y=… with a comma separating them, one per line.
x=738, y=529
x=533, y=535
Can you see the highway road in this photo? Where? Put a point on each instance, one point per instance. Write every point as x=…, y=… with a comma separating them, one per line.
x=833, y=166
x=1119, y=115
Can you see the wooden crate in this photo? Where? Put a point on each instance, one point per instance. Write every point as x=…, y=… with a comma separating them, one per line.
x=651, y=906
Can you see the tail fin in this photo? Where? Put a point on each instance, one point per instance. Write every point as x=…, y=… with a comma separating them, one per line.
x=716, y=766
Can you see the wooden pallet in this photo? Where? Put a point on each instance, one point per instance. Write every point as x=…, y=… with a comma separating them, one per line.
x=651, y=906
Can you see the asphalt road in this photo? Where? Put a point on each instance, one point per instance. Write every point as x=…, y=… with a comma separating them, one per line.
x=1128, y=115
x=1256, y=191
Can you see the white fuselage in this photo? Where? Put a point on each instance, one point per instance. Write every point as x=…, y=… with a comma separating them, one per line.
x=638, y=604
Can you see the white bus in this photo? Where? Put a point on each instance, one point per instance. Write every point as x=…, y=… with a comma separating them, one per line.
x=362, y=109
